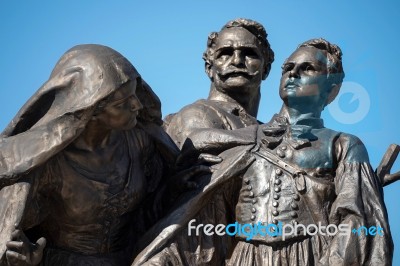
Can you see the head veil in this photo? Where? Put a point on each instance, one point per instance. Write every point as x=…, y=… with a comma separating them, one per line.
x=59, y=111
x=57, y=114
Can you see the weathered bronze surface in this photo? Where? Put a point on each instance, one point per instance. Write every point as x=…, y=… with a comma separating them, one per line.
x=80, y=164
x=237, y=59
x=291, y=170
x=88, y=176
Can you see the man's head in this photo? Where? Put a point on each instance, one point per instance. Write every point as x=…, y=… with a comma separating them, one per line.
x=312, y=75
x=238, y=57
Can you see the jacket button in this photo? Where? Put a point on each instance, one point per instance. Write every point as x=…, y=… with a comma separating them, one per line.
x=274, y=221
x=253, y=210
x=293, y=214
x=276, y=196
x=280, y=153
x=251, y=194
x=278, y=172
x=275, y=204
x=277, y=189
x=254, y=201
x=277, y=181
x=275, y=213
x=246, y=180
x=294, y=206
x=253, y=217
x=296, y=197
x=249, y=187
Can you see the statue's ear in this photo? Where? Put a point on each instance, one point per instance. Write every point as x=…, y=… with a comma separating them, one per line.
x=209, y=70
x=333, y=93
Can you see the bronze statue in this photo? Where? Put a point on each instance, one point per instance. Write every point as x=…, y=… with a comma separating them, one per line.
x=86, y=169
x=80, y=164
x=306, y=174
x=295, y=175
x=237, y=59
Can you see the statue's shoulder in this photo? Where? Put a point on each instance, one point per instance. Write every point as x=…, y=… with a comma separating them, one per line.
x=349, y=147
x=198, y=107
x=188, y=111
x=200, y=114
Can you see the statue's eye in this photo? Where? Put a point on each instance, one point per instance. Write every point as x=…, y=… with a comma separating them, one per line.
x=287, y=68
x=249, y=52
x=225, y=52
x=121, y=105
x=308, y=68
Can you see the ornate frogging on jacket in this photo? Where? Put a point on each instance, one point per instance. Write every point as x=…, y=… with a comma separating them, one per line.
x=280, y=184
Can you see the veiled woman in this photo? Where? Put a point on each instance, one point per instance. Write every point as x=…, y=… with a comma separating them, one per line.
x=80, y=164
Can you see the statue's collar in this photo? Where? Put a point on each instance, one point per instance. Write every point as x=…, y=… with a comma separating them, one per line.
x=299, y=133
x=305, y=120
x=308, y=120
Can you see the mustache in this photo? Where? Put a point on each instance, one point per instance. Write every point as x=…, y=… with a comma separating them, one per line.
x=235, y=71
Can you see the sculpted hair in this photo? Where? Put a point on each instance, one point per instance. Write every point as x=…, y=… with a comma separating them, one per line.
x=334, y=55
x=253, y=27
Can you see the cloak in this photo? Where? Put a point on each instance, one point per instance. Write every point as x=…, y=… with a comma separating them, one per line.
x=57, y=114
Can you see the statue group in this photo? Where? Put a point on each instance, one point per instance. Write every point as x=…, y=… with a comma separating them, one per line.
x=90, y=174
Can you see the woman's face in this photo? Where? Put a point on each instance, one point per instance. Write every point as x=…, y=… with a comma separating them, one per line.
x=121, y=111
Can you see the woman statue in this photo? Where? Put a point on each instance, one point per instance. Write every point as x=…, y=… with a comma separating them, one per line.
x=80, y=165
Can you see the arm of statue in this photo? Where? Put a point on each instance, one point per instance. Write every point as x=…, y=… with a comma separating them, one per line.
x=359, y=206
x=22, y=206
x=21, y=252
x=206, y=143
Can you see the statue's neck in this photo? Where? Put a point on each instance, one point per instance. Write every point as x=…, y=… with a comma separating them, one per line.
x=249, y=102
x=94, y=137
x=294, y=114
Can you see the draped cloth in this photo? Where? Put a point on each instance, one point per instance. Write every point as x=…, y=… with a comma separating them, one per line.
x=57, y=114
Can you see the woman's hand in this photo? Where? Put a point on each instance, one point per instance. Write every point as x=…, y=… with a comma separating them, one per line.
x=21, y=252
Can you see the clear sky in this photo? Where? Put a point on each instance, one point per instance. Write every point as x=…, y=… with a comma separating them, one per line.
x=165, y=40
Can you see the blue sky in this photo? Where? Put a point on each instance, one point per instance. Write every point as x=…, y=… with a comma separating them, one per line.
x=165, y=40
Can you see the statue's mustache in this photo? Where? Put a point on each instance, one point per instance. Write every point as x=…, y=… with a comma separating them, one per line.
x=234, y=71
